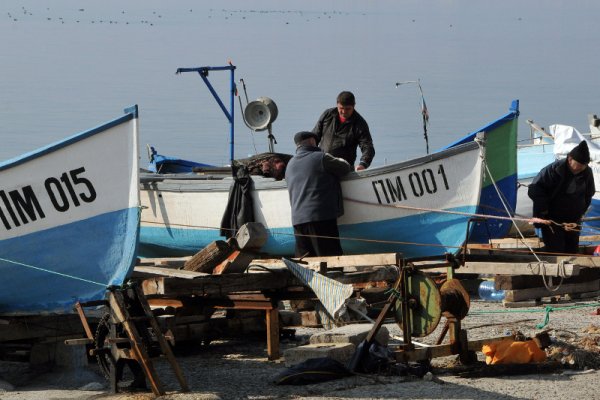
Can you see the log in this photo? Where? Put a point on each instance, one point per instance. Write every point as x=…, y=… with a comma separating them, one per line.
x=251, y=236
x=209, y=257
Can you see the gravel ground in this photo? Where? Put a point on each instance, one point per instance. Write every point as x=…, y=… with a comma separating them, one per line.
x=239, y=369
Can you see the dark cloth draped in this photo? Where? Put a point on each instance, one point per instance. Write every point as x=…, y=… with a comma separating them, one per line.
x=240, y=205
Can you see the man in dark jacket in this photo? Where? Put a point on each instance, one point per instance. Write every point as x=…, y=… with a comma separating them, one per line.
x=562, y=192
x=312, y=178
x=340, y=130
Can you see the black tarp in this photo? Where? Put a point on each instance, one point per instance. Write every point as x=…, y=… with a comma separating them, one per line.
x=239, y=206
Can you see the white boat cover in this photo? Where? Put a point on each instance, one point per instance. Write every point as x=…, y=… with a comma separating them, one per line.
x=566, y=137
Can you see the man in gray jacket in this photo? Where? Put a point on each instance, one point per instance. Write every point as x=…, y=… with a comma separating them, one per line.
x=312, y=178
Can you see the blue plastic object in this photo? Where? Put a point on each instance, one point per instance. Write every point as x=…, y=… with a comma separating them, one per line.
x=487, y=292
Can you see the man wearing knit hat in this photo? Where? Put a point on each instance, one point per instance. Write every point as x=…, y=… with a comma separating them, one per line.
x=562, y=193
x=312, y=178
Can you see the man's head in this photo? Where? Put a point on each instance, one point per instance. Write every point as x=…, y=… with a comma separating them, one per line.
x=305, y=138
x=579, y=157
x=345, y=104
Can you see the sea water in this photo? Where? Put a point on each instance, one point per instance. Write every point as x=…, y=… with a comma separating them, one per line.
x=68, y=66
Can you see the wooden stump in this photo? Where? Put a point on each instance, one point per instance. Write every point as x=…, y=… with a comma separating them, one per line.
x=251, y=236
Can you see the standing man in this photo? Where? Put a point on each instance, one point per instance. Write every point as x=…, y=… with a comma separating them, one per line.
x=312, y=178
x=340, y=130
x=562, y=192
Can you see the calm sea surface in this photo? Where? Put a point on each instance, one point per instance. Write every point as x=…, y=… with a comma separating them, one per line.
x=67, y=66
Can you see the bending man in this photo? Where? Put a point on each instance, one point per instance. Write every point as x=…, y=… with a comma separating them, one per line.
x=312, y=178
x=562, y=192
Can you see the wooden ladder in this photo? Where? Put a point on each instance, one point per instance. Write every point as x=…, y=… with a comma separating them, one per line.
x=130, y=309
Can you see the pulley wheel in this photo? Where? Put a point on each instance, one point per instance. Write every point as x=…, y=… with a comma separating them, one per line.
x=424, y=305
x=455, y=299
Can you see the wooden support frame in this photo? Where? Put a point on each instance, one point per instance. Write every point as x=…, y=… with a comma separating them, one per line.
x=121, y=308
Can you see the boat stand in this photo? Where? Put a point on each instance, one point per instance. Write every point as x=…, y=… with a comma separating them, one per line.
x=418, y=304
x=127, y=336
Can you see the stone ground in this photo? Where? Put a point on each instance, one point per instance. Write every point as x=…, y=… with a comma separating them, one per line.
x=239, y=369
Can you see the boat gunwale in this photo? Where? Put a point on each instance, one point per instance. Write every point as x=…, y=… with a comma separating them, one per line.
x=130, y=114
x=177, y=182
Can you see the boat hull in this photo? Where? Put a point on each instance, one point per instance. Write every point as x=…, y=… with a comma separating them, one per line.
x=69, y=221
x=499, y=191
x=415, y=208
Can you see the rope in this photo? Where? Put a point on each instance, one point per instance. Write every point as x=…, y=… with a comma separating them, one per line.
x=53, y=272
x=565, y=225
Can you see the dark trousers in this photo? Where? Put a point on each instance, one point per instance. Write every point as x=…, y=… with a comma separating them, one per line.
x=307, y=242
x=557, y=240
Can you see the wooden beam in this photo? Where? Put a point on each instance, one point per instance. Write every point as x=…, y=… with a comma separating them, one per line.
x=348, y=263
x=84, y=321
x=173, y=262
x=170, y=272
x=582, y=261
x=514, y=268
x=273, y=333
x=218, y=284
x=536, y=293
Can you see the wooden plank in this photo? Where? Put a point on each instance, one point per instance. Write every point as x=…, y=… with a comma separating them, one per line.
x=348, y=263
x=512, y=282
x=273, y=333
x=219, y=284
x=516, y=243
x=173, y=262
x=169, y=272
x=377, y=275
x=582, y=261
x=521, y=304
x=513, y=268
x=78, y=342
x=442, y=350
x=590, y=238
x=84, y=321
x=537, y=293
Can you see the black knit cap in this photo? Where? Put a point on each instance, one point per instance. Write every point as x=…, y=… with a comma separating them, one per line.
x=581, y=153
x=301, y=136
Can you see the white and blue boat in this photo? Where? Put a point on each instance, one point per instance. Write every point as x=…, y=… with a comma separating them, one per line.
x=69, y=219
x=419, y=207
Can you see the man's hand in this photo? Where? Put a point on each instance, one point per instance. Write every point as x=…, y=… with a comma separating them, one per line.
x=359, y=167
